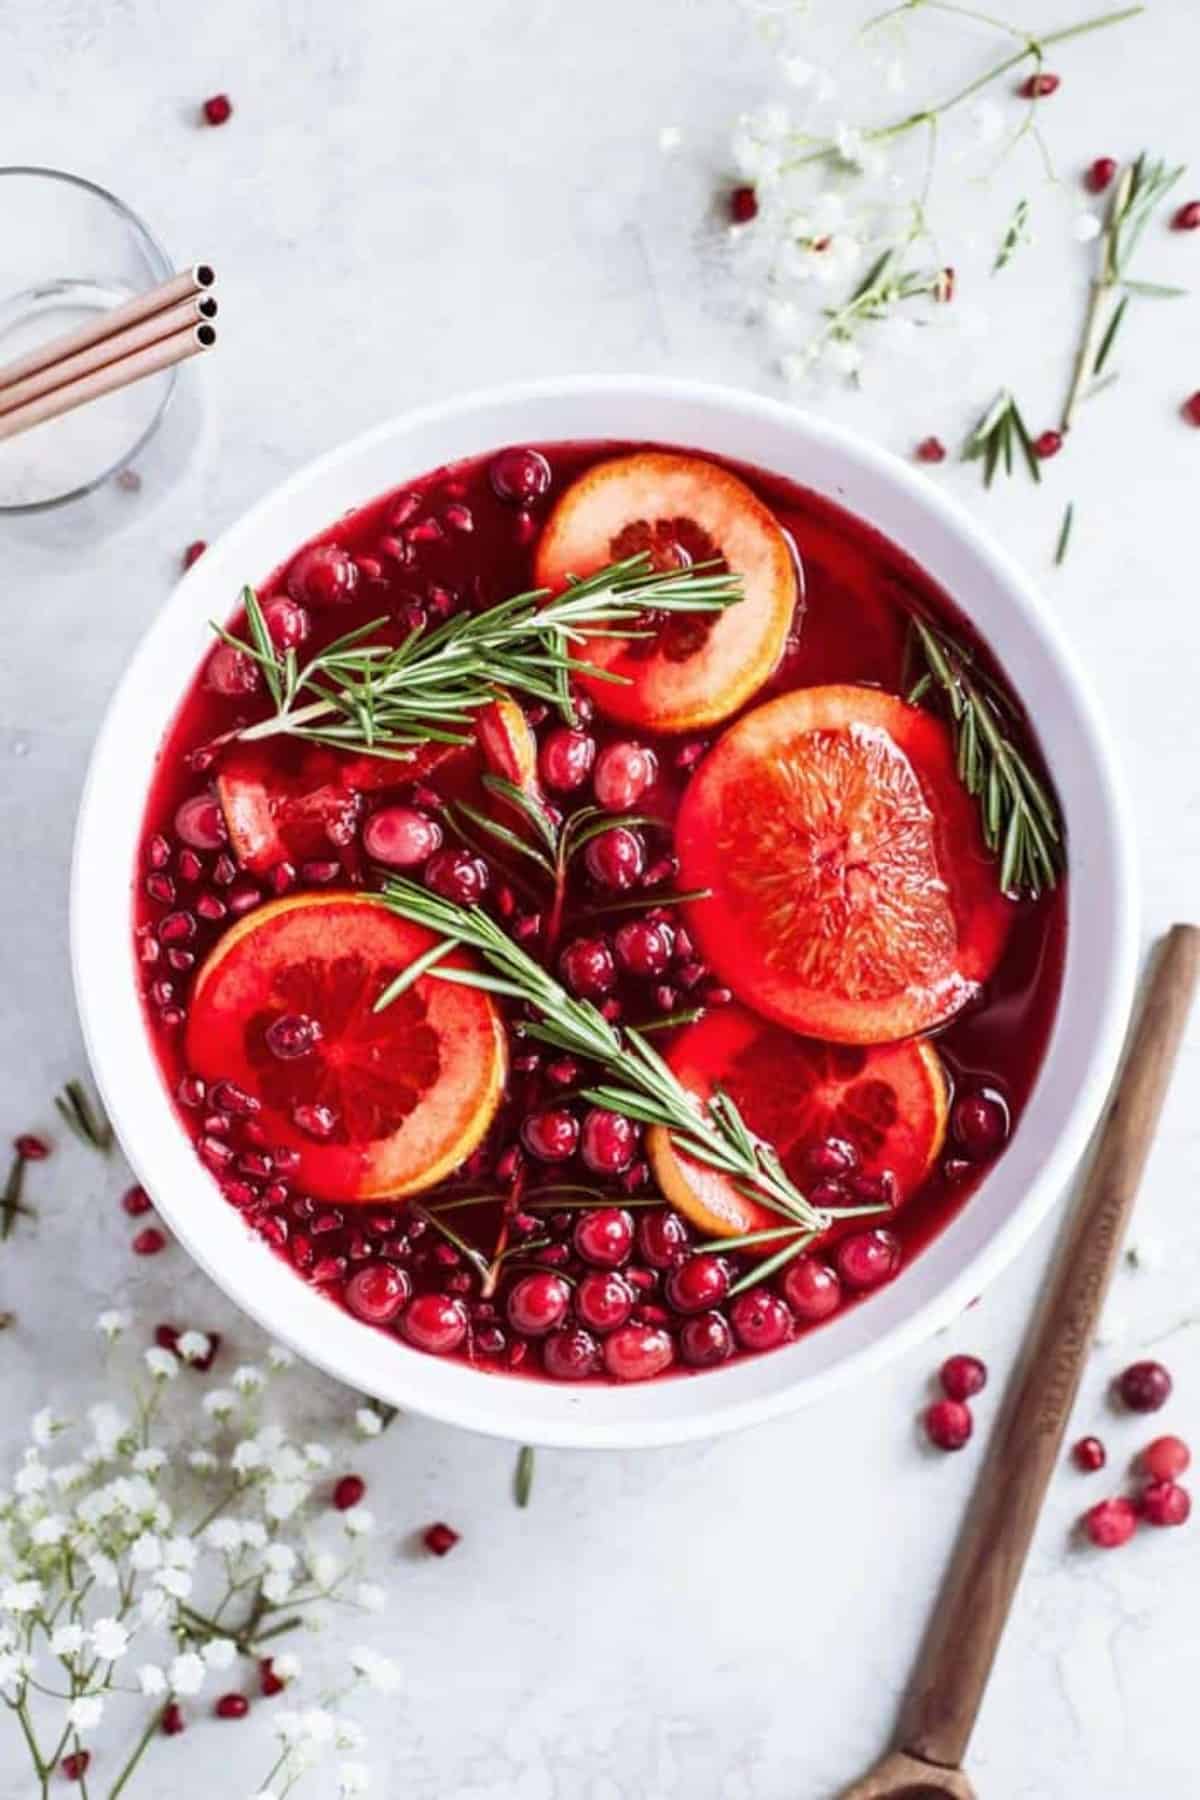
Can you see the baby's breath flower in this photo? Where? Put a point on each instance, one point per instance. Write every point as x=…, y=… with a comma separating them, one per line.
x=669, y=138
x=46, y=1426
x=150, y=1460
x=359, y=1521
x=249, y=1379
x=110, y=1639
x=353, y=1778
x=103, y=1570
x=153, y=1606
x=223, y=1534
x=281, y=1557
x=276, y=1585
x=112, y=1325
x=204, y=1462
x=152, y=1680
x=66, y=1640
x=247, y=1456
x=176, y=1582
x=1087, y=227
x=48, y=1531
x=349, y=1735
x=219, y=1653
x=284, y=1498
x=109, y=1427
x=324, y=1568
x=186, y=1673
x=318, y=1456
x=179, y=1552
x=254, y=1534
x=32, y=1476
x=279, y=1356
x=380, y=1672
x=219, y=1403
x=193, y=1346
x=86, y=1712
x=370, y=1596
x=367, y=1422
x=162, y=1364
x=286, y=1665
x=21, y=1596
x=145, y=1552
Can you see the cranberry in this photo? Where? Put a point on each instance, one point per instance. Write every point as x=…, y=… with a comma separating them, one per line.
x=520, y=476
x=616, y=858
x=435, y=1323
x=833, y=1156
x=31, y=1148
x=1165, y=1458
x=173, y=1721
x=1040, y=85
x=644, y=947
x=1188, y=217
x=286, y=622
x=322, y=575
x=980, y=1123
x=1191, y=409
x=705, y=1340
x=218, y=110
x=76, y=1765
x=587, y=967
x=194, y=552
x=551, y=1135
x=962, y=1377
x=610, y=1141
x=811, y=1289
x=571, y=1355
x=149, y=1242
x=292, y=1035
x=948, y=1424
x=760, y=1320
x=1144, y=1386
x=743, y=205
x=1100, y=173
x=663, y=1238
x=401, y=837
x=231, y=1706
x=1048, y=443
x=201, y=823
x=457, y=875
x=638, y=1352
x=1089, y=1455
x=1110, y=1523
x=565, y=759
x=232, y=672
x=931, y=450
x=1165, y=1503
x=440, y=1539
x=623, y=773
x=604, y=1300
x=697, y=1284
x=868, y=1257
x=269, y=1683
x=538, y=1303
x=348, y=1492
x=604, y=1238
x=376, y=1292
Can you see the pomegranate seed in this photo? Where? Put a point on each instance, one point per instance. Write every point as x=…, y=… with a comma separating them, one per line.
x=616, y=858
x=663, y=1238
x=948, y=1424
x=943, y=291
x=31, y=1148
x=604, y=1300
x=302, y=1251
x=158, y=852
x=697, y=1284
x=706, y=1340
x=519, y=476
x=538, y=1303
x=232, y=673
x=1089, y=1455
x=440, y=1539
x=328, y=1269
x=348, y=1492
x=833, y=1156
x=173, y=1721
x=587, y=967
x=811, y=1289
x=1191, y=409
x=269, y=1683
x=459, y=518
x=190, y=867
x=1165, y=1458
x=212, y=1152
x=149, y=1242
x=376, y=1292
x=690, y=754
x=624, y=771
x=457, y=875
x=665, y=997
x=217, y=111
x=320, y=873
x=1048, y=443
x=743, y=205
x=177, y=928
x=604, y=1238
x=224, y=871
x=322, y=576
x=1110, y=1523
x=291, y=1036
x=1039, y=86
x=194, y=552
x=638, y=1352
x=315, y=1121
x=76, y=1765
x=282, y=878
x=161, y=888
x=136, y=1201
x=644, y=947
x=1188, y=217
x=425, y=531
x=867, y=1258
x=435, y=1323
x=400, y=837
x=760, y=1320
x=1100, y=173
x=200, y=822
x=962, y=1377
x=1165, y=1503
x=980, y=1123
x=571, y=1355
x=1144, y=1387
x=231, y=1706
x=181, y=959
x=227, y=1097
x=210, y=906
x=551, y=1135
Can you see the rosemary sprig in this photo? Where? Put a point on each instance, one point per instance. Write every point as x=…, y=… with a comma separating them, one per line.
x=1064, y=535
x=85, y=1117
x=1021, y=823
x=637, y=1082
x=367, y=695
x=889, y=281
x=523, y=1475
x=11, y=1202
x=993, y=438
x=1016, y=233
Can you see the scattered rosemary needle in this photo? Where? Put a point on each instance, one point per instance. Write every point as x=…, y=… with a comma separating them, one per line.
x=1016, y=233
x=523, y=1475
x=1064, y=535
x=85, y=1117
x=992, y=439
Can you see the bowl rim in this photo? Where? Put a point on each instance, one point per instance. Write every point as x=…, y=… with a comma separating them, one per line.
x=466, y=1403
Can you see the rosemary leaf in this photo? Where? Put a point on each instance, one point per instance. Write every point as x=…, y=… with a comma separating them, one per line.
x=1064, y=535
x=1015, y=234
x=1107, y=341
x=85, y=1117
x=523, y=1476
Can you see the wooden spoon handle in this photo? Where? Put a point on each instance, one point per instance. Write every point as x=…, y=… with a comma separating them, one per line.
x=956, y=1658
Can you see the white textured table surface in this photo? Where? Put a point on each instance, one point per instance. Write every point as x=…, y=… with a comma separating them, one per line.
x=458, y=194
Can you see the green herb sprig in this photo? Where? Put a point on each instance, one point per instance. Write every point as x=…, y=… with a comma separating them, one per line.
x=85, y=1117
x=993, y=439
x=1016, y=233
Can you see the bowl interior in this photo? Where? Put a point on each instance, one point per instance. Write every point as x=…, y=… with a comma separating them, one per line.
x=1097, y=980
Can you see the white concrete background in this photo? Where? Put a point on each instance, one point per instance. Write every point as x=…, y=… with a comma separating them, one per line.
x=412, y=199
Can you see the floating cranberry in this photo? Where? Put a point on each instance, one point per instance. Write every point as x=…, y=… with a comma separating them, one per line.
x=706, y=1340
x=376, y=1292
x=760, y=1320
x=1110, y=1523
x=1144, y=1386
x=1100, y=173
x=587, y=967
x=1047, y=443
x=623, y=773
x=698, y=1283
x=400, y=837
x=980, y=1123
x=565, y=759
x=604, y=1300
x=931, y=450
x=287, y=622
x=811, y=1289
x=218, y=109
x=962, y=1377
x=663, y=1238
x=136, y=1201
x=436, y=1323
x=948, y=1424
x=1165, y=1458
x=201, y=823
x=638, y=1352
x=1191, y=409
x=232, y=673
x=610, y=1141
x=551, y=1135
x=743, y=205
x=1165, y=1503
x=1089, y=1455
x=457, y=875
x=571, y=1355
x=321, y=576
x=867, y=1258
x=1039, y=86
x=616, y=858
x=149, y=1242
x=520, y=476
x=833, y=1156
x=348, y=1492
x=538, y=1303
x=440, y=1539
x=76, y=1765
x=604, y=1238
x=1188, y=217
x=644, y=947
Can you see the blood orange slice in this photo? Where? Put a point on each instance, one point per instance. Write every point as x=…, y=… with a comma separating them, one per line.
x=375, y=1103
x=853, y=897
x=699, y=667
x=889, y=1101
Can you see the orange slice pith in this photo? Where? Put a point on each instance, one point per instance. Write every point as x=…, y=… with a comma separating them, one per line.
x=889, y=1101
x=412, y=1089
x=701, y=666
x=853, y=897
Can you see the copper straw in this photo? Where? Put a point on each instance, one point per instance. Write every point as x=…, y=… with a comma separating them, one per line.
x=108, y=350
x=192, y=341
x=143, y=306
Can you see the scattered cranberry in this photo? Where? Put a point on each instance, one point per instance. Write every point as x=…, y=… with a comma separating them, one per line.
x=980, y=1123
x=867, y=1258
x=322, y=576
x=201, y=823
x=1191, y=409
x=31, y=1148
x=149, y=1242
x=962, y=1377
x=697, y=1284
x=269, y=1683
x=743, y=205
x=1165, y=1503
x=604, y=1238
x=644, y=947
x=232, y=672
x=520, y=476
x=1110, y=1523
x=760, y=1320
x=173, y=1721
x=348, y=1492
x=623, y=773
x=457, y=875
x=1188, y=217
x=1165, y=1458
x=706, y=1340
x=538, y=1303
x=1089, y=1455
x=638, y=1352
x=1047, y=443
x=76, y=1765
x=1039, y=86
x=218, y=111
x=434, y=1323
x=1100, y=173
x=400, y=837
x=231, y=1706
x=948, y=1424
x=587, y=967
x=1144, y=1386
x=610, y=1141
x=551, y=1135
x=616, y=858
x=286, y=622
x=565, y=759
x=663, y=1238
x=194, y=552
x=571, y=1355
x=604, y=1300
x=376, y=1292
x=440, y=1539
x=811, y=1289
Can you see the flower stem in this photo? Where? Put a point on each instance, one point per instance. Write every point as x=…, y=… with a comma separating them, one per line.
x=140, y=1748
x=1085, y=355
